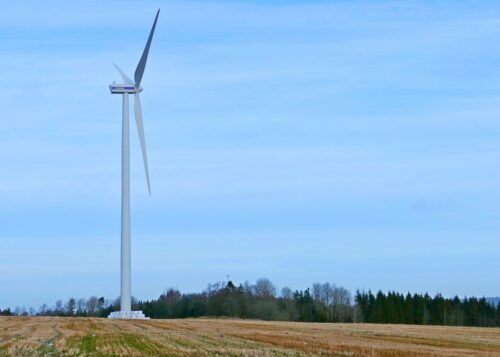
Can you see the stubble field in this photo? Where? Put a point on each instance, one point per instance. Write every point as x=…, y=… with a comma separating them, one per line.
x=59, y=336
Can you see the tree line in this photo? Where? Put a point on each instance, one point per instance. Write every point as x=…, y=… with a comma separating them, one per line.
x=418, y=309
x=325, y=302
x=322, y=302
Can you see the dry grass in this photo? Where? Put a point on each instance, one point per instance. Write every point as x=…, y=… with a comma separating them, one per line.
x=58, y=336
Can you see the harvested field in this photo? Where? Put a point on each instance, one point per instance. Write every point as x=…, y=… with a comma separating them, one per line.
x=59, y=336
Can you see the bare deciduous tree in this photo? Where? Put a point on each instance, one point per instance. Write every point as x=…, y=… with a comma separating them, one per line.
x=264, y=288
x=286, y=293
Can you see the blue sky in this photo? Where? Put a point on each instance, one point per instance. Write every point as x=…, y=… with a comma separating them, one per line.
x=350, y=142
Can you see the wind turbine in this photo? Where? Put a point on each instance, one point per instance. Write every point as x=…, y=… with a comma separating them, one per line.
x=126, y=88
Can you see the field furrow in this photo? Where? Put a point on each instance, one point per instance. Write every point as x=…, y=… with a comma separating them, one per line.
x=60, y=336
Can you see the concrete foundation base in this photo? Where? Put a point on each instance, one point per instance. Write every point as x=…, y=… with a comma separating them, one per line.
x=130, y=315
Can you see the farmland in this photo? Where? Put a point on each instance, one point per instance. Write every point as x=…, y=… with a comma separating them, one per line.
x=60, y=336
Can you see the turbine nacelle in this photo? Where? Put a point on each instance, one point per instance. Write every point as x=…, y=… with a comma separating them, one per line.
x=120, y=88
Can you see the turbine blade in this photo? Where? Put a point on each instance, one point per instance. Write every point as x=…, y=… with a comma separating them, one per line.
x=140, y=130
x=125, y=78
x=139, y=71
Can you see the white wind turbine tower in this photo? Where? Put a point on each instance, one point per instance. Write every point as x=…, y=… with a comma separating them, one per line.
x=126, y=88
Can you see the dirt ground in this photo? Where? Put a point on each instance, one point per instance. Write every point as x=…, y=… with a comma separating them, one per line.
x=59, y=336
